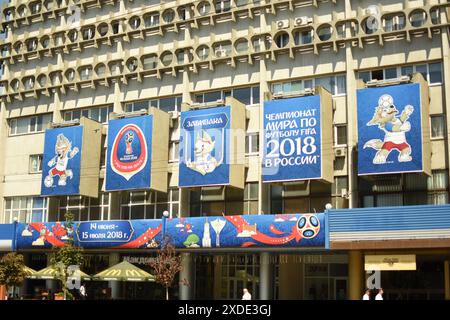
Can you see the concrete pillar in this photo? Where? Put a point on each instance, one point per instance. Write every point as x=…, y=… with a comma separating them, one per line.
x=265, y=276
x=114, y=206
x=187, y=277
x=355, y=274
x=3, y=135
x=117, y=106
x=447, y=279
x=446, y=75
x=218, y=260
x=114, y=258
x=290, y=277
x=352, y=124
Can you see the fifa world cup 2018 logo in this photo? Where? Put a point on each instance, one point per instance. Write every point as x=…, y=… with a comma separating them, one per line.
x=129, y=140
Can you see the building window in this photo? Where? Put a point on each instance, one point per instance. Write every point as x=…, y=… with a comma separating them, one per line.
x=149, y=204
x=394, y=22
x=204, y=8
x=32, y=124
x=390, y=73
x=435, y=15
x=325, y=33
x=222, y=5
x=303, y=37
x=437, y=126
x=252, y=143
x=35, y=165
x=435, y=72
x=151, y=20
x=99, y=114
x=84, y=208
x=282, y=39
x=250, y=198
x=174, y=151
x=418, y=18
x=85, y=73
x=340, y=135
x=168, y=15
x=25, y=209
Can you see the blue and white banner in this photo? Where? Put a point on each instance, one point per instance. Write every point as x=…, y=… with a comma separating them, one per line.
x=389, y=129
x=62, y=161
x=292, y=139
x=128, y=160
x=240, y=231
x=205, y=147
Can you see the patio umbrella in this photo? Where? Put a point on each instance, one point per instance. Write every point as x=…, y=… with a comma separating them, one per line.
x=124, y=271
x=28, y=271
x=51, y=272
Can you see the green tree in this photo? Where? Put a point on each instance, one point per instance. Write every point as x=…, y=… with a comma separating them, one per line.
x=166, y=265
x=12, y=273
x=68, y=255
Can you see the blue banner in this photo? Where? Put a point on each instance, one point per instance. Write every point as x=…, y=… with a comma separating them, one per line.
x=241, y=231
x=204, y=147
x=62, y=161
x=128, y=160
x=292, y=139
x=389, y=129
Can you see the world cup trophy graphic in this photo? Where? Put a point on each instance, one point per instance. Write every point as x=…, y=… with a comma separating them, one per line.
x=129, y=140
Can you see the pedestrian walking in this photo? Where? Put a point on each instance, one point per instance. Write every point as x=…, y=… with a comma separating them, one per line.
x=246, y=295
x=366, y=295
x=83, y=293
x=379, y=296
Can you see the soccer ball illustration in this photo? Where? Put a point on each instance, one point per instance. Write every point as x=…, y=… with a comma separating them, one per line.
x=48, y=181
x=385, y=101
x=308, y=226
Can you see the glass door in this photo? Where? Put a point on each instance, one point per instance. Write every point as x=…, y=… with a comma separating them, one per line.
x=340, y=288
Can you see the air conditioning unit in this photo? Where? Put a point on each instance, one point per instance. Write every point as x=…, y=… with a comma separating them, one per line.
x=340, y=152
x=282, y=24
x=301, y=21
x=221, y=53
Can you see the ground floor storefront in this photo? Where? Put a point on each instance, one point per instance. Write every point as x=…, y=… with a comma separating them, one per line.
x=324, y=275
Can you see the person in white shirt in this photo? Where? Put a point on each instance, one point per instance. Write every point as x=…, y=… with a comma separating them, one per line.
x=83, y=292
x=247, y=295
x=379, y=296
x=366, y=296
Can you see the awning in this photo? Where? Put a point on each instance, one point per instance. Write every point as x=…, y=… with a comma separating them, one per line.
x=124, y=271
x=51, y=272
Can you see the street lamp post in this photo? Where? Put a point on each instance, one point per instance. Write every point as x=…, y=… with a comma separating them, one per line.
x=164, y=217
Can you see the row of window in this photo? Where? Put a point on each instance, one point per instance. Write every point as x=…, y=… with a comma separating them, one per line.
x=336, y=85
x=431, y=72
x=165, y=104
x=246, y=95
x=302, y=36
x=312, y=196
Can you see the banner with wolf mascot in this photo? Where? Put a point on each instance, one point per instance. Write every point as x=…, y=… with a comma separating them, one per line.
x=204, y=147
x=62, y=161
x=389, y=130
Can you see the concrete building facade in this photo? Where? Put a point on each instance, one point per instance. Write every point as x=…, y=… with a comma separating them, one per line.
x=62, y=60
